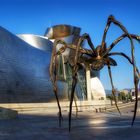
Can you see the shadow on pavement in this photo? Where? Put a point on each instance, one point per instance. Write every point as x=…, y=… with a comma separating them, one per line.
x=86, y=127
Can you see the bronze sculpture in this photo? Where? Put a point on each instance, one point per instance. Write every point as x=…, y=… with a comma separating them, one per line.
x=97, y=58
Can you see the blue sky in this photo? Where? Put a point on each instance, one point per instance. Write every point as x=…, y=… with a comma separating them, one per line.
x=34, y=16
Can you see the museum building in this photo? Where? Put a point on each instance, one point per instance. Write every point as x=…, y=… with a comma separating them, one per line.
x=24, y=68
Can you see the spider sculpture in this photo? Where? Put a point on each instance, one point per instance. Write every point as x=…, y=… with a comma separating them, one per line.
x=97, y=58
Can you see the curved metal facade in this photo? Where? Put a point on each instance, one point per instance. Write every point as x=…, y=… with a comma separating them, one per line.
x=24, y=68
x=62, y=31
x=37, y=41
x=24, y=65
x=24, y=73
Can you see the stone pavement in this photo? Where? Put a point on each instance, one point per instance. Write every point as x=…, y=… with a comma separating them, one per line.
x=42, y=124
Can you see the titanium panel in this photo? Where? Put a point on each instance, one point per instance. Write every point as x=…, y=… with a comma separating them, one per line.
x=37, y=41
x=24, y=73
x=61, y=31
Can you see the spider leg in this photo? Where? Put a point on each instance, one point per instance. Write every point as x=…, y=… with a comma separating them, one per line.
x=110, y=20
x=75, y=102
x=136, y=82
x=53, y=73
x=136, y=37
x=56, y=91
x=60, y=51
x=125, y=56
x=76, y=106
x=74, y=77
x=69, y=88
x=112, y=85
x=87, y=37
x=74, y=82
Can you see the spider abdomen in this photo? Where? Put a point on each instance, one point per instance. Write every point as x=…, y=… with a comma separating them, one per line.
x=97, y=64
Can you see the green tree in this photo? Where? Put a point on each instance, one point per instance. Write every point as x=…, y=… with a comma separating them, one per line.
x=122, y=96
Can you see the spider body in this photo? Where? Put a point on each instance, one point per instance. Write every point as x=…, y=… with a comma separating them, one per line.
x=96, y=59
x=99, y=60
x=100, y=63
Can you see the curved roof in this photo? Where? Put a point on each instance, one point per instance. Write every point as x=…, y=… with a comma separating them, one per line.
x=62, y=30
x=37, y=41
x=97, y=88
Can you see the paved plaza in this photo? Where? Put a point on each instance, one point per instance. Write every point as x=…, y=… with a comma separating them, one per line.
x=42, y=124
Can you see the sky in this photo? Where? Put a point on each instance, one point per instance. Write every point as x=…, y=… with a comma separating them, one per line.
x=34, y=16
